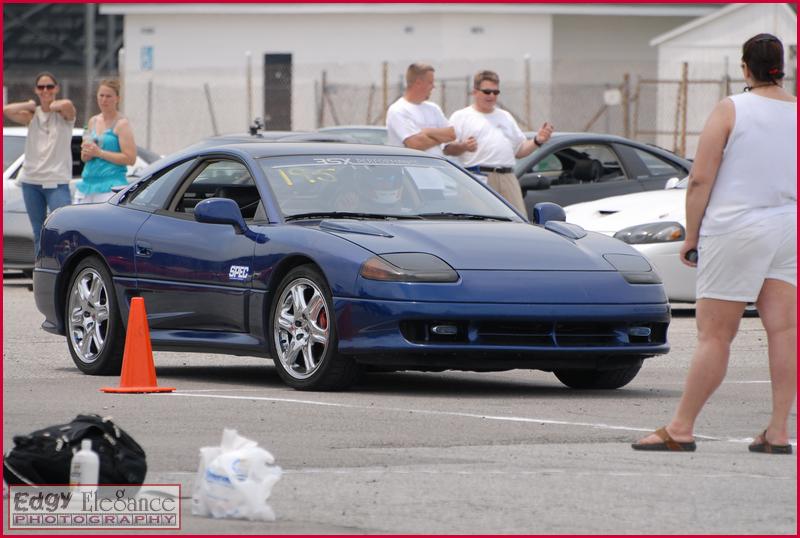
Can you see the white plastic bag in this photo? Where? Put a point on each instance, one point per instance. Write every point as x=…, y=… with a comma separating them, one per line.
x=234, y=480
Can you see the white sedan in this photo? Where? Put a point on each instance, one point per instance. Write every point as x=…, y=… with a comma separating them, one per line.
x=653, y=223
x=17, y=231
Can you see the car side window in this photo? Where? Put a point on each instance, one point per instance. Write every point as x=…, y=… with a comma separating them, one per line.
x=590, y=163
x=658, y=166
x=153, y=193
x=222, y=178
x=548, y=164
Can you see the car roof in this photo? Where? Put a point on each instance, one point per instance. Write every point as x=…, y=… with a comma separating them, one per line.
x=271, y=149
x=573, y=137
x=15, y=131
x=23, y=131
x=258, y=150
x=564, y=135
x=268, y=136
x=344, y=127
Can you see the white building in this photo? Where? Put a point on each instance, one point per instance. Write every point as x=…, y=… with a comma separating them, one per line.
x=711, y=46
x=173, y=50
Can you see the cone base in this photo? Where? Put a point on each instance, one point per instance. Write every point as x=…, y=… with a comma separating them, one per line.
x=128, y=390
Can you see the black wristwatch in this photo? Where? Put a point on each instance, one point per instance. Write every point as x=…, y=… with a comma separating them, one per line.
x=536, y=141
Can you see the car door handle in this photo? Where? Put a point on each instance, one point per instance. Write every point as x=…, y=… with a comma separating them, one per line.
x=143, y=250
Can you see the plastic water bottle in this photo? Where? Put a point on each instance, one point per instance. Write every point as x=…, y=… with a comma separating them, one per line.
x=84, y=471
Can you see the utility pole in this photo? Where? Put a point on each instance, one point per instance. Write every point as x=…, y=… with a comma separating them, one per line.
x=89, y=60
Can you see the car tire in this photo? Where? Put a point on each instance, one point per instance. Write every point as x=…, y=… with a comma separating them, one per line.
x=598, y=379
x=95, y=334
x=302, y=334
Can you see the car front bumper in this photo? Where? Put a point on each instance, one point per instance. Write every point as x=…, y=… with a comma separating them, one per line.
x=486, y=336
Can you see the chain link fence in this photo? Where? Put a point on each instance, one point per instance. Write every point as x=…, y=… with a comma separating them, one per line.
x=170, y=110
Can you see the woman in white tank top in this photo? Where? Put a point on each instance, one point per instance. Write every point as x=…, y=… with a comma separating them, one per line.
x=741, y=234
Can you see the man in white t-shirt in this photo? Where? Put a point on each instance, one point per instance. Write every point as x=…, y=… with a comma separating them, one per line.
x=413, y=121
x=499, y=139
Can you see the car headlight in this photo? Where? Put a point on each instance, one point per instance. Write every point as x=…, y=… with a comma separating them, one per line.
x=634, y=269
x=408, y=267
x=653, y=232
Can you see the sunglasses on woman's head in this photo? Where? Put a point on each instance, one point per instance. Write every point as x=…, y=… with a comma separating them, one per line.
x=45, y=86
x=488, y=92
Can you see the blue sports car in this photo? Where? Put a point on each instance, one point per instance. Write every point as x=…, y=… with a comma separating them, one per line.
x=334, y=259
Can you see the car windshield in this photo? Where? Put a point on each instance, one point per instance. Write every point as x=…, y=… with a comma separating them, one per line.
x=375, y=186
x=13, y=147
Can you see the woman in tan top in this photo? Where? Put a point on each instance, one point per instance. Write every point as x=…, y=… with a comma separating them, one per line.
x=47, y=169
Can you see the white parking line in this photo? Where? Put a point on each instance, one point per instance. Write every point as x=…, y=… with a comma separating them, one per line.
x=223, y=390
x=596, y=425
x=746, y=382
x=383, y=471
x=518, y=472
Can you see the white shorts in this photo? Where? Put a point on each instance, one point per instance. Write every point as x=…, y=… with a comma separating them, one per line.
x=733, y=266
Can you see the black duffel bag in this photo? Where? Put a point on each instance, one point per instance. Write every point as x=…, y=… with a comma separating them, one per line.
x=44, y=456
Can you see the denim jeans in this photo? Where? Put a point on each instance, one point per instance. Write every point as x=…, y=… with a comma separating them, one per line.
x=37, y=199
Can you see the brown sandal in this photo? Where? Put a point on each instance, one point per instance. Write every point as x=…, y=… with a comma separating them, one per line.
x=766, y=447
x=668, y=445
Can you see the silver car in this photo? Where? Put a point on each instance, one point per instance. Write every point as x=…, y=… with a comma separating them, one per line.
x=17, y=231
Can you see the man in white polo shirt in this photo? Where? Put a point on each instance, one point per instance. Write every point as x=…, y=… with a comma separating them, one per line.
x=413, y=121
x=499, y=139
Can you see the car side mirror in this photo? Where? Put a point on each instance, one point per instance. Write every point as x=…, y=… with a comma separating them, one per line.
x=548, y=211
x=671, y=182
x=533, y=182
x=225, y=211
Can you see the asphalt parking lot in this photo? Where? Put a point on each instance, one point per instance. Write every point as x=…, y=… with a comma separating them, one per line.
x=510, y=452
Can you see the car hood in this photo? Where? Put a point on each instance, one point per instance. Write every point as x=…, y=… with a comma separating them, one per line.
x=610, y=215
x=502, y=246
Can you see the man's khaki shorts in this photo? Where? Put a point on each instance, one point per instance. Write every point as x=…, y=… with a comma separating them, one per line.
x=507, y=186
x=733, y=266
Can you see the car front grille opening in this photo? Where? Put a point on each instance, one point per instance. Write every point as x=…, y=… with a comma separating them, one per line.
x=512, y=333
x=573, y=334
x=585, y=334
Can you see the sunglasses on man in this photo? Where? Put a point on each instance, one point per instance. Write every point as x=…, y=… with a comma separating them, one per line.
x=488, y=92
x=43, y=87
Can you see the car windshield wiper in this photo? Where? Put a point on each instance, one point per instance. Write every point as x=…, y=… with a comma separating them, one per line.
x=462, y=216
x=349, y=215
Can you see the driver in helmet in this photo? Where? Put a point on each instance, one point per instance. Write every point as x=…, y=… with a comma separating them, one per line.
x=384, y=185
x=378, y=189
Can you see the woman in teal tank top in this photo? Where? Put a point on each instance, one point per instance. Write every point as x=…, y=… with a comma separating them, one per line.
x=108, y=148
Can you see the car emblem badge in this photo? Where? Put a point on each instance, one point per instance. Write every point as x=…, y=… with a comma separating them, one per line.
x=239, y=272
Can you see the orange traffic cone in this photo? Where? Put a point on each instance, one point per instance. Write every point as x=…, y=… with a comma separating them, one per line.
x=138, y=369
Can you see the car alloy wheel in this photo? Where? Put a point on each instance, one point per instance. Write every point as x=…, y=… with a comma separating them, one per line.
x=302, y=328
x=304, y=342
x=94, y=330
x=88, y=315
